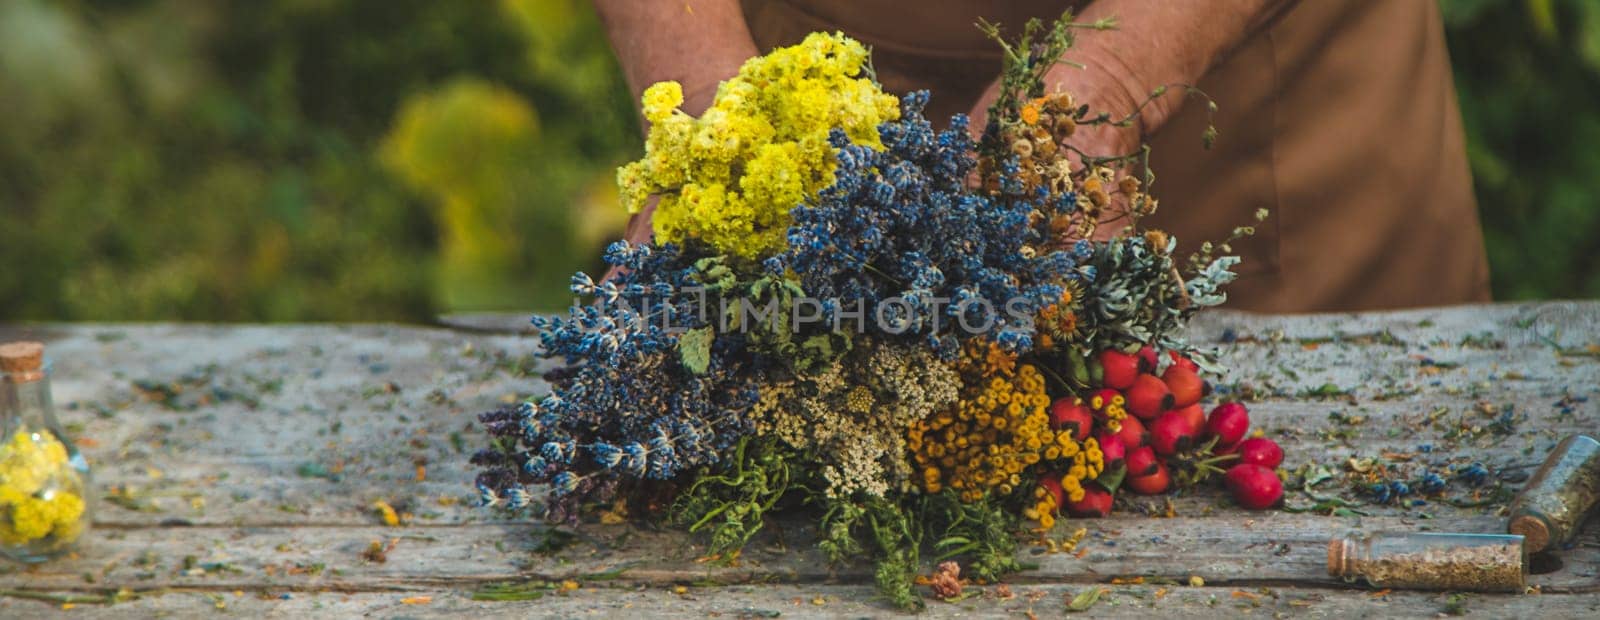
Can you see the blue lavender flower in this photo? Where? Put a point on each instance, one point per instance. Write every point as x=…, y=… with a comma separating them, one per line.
x=899, y=224
x=606, y=455
x=1388, y=492
x=1475, y=474
x=1430, y=483
x=623, y=407
x=564, y=483
x=518, y=498
x=487, y=496
x=635, y=458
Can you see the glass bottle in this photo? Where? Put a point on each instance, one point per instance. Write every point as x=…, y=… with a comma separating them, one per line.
x=1566, y=490
x=44, y=481
x=1432, y=561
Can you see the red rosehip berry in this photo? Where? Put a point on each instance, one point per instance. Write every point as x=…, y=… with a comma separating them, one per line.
x=1195, y=415
x=1069, y=413
x=1179, y=359
x=1148, y=397
x=1260, y=451
x=1147, y=359
x=1171, y=434
x=1152, y=484
x=1118, y=369
x=1096, y=503
x=1229, y=422
x=1186, y=386
x=1111, y=447
x=1133, y=433
x=1253, y=486
x=1142, y=461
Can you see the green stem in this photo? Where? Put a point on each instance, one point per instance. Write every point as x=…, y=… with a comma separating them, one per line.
x=65, y=599
x=1053, y=375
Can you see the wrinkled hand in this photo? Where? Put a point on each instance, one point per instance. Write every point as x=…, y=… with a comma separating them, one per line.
x=639, y=230
x=1104, y=140
x=1101, y=94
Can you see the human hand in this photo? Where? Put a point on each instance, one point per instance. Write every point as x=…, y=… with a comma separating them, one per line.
x=1112, y=129
x=639, y=230
x=1098, y=140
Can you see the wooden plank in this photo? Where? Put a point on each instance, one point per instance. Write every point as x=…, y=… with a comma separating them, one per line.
x=825, y=600
x=200, y=482
x=259, y=451
x=1243, y=550
x=311, y=425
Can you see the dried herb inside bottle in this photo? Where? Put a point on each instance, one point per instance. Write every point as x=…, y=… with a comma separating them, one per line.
x=1467, y=562
x=1560, y=496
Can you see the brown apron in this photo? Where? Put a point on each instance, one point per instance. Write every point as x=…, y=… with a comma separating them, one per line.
x=1339, y=117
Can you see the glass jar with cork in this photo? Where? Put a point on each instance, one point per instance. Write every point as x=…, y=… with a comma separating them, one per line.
x=1432, y=561
x=1563, y=494
x=44, y=481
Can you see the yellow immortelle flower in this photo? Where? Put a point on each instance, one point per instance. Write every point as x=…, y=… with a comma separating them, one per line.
x=39, y=490
x=730, y=177
x=660, y=99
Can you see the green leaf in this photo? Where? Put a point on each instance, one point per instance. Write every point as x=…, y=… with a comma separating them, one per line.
x=694, y=348
x=820, y=350
x=1588, y=35
x=820, y=344
x=707, y=263
x=1079, y=368
x=1111, y=477
x=136, y=504
x=714, y=275
x=528, y=591
x=1084, y=600
x=953, y=540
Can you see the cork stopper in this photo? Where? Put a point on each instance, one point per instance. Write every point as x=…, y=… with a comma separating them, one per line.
x=24, y=361
x=1535, y=532
x=1336, y=556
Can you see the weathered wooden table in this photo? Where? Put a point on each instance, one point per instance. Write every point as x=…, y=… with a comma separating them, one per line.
x=240, y=468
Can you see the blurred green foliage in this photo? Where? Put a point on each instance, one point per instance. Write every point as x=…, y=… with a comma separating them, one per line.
x=302, y=159
x=1528, y=79
x=392, y=159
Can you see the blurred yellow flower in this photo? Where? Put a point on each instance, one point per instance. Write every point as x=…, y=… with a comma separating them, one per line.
x=39, y=490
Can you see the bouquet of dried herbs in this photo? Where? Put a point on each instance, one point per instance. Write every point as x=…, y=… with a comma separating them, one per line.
x=834, y=319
